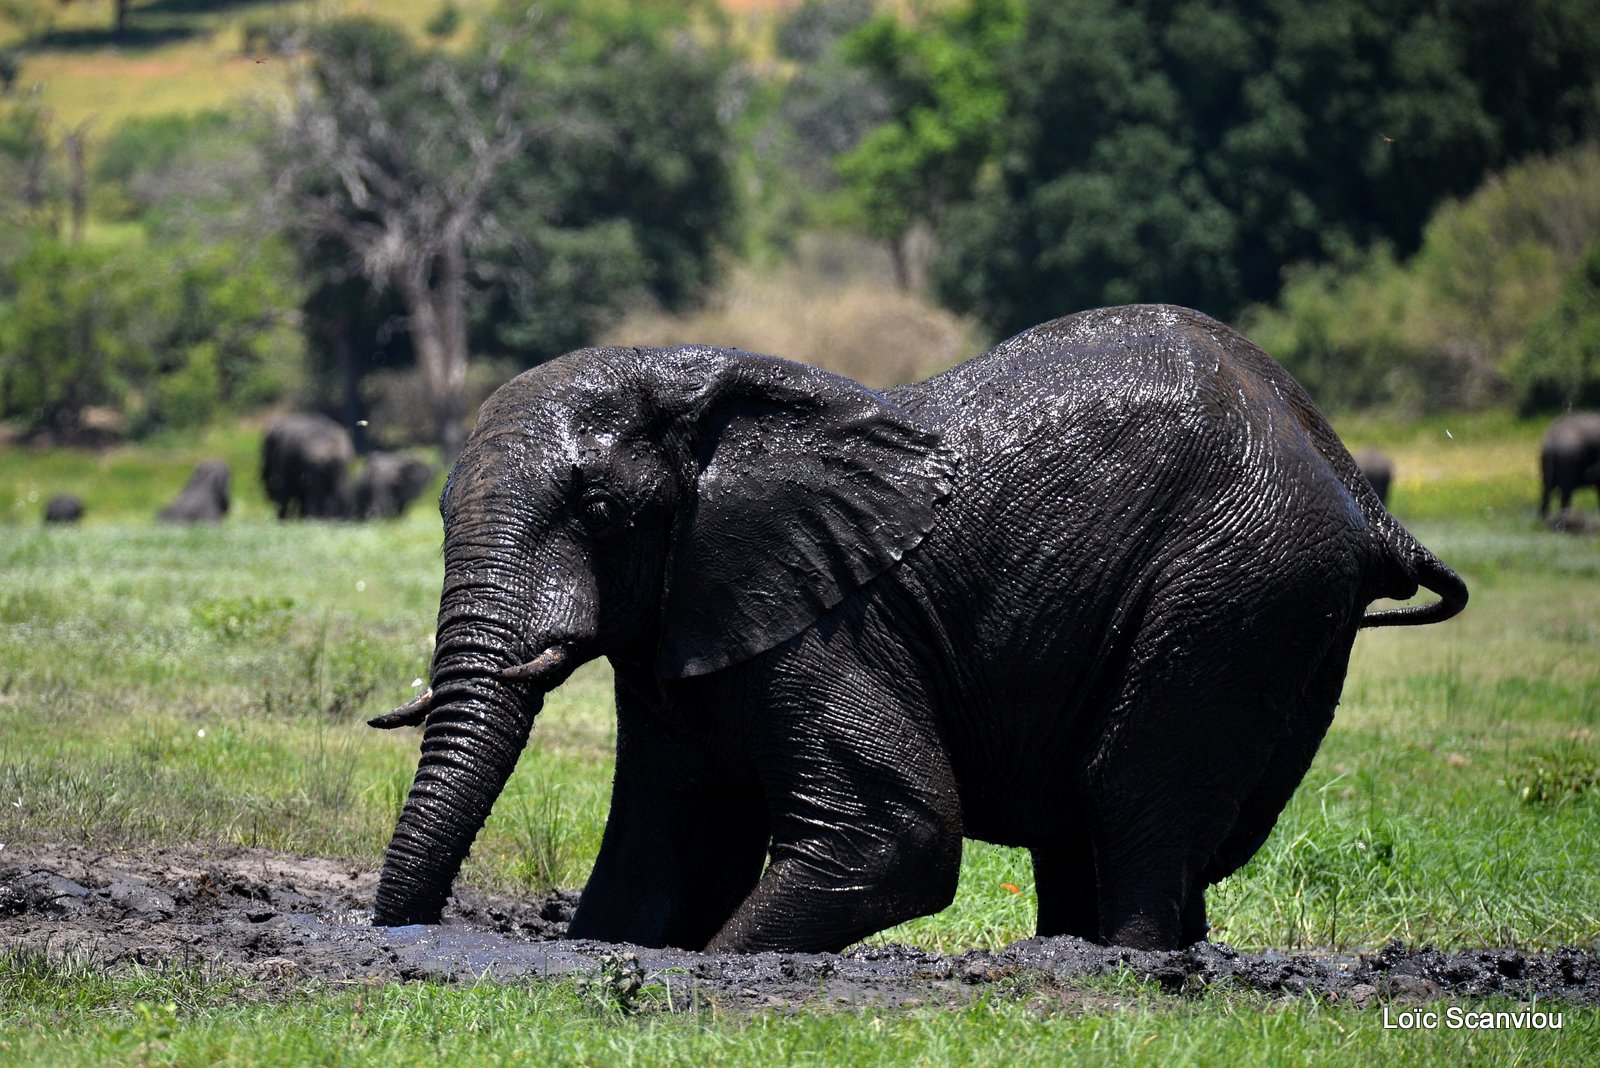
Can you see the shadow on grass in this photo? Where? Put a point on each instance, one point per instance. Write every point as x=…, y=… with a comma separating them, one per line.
x=150, y=25
x=191, y=8
x=93, y=38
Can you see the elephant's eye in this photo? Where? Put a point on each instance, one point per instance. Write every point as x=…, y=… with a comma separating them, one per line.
x=602, y=513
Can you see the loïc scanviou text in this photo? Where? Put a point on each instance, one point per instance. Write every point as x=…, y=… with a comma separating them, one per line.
x=1456, y=1018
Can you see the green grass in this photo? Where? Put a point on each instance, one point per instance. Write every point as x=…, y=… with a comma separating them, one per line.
x=72, y=1012
x=130, y=483
x=1484, y=465
x=209, y=684
x=181, y=57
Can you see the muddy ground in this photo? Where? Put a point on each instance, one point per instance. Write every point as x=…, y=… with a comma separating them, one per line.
x=287, y=919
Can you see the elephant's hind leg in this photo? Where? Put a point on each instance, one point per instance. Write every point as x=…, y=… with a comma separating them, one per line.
x=1297, y=744
x=1186, y=755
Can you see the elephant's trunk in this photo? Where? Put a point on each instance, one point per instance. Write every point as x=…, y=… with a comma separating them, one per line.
x=469, y=749
x=485, y=689
x=479, y=712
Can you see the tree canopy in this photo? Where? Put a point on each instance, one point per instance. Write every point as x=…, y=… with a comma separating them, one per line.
x=948, y=110
x=1190, y=151
x=509, y=197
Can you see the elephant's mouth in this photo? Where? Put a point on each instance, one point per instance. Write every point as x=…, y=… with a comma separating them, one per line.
x=544, y=671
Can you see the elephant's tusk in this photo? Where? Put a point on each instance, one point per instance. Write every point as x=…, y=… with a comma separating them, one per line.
x=409, y=714
x=546, y=662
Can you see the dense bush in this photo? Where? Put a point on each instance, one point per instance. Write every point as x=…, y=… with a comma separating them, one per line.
x=161, y=164
x=1190, y=151
x=66, y=335
x=1343, y=332
x=1558, y=367
x=169, y=336
x=31, y=182
x=1445, y=328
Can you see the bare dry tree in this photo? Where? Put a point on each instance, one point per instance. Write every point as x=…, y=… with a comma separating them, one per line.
x=405, y=189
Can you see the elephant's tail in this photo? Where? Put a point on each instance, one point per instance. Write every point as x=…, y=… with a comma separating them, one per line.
x=1429, y=572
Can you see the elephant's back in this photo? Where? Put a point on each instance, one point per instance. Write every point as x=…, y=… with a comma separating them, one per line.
x=1122, y=473
x=1126, y=359
x=1114, y=454
x=1108, y=394
x=1572, y=433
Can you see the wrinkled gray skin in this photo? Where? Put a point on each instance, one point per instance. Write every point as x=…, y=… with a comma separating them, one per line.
x=1377, y=470
x=1092, y=593
x=305, y=466
x=388, y=483
x=63, y=508
x=204, y=498
x=1569, y=459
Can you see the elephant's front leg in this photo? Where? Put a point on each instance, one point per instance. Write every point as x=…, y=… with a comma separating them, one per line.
x=866, y=829
x=682, y=846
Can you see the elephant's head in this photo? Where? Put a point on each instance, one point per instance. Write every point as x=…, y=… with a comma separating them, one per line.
x=677, y=510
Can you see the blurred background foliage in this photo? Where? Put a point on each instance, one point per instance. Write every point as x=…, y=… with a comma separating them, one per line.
x=210, y=210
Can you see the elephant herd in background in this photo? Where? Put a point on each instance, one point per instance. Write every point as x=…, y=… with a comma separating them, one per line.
x=1569, y=460
x=306, y=462
x=305, y=467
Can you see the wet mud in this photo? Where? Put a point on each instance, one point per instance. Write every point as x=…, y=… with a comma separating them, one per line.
x=288, y=919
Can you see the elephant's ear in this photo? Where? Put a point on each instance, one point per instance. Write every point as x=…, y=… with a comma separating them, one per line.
x=806, y=486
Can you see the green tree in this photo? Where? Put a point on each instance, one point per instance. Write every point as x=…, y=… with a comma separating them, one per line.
x=391, y=156
x=1558, y=366
x=947, y=108
x=1190, y=151
x=170, y=335
x=632, y=191
x=509, y=196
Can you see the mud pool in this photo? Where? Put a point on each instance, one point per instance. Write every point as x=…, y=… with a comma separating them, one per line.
x=286, y=919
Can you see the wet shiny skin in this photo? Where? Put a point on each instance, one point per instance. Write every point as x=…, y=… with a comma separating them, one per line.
x=1092, y=593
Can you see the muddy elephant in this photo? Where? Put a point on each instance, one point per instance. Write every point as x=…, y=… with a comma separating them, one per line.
x=1092, y=593
x=388, y=483
x=1569, y=458
x=63, y=508
x=204, y=498
x=305, y=466
x=1376, y=468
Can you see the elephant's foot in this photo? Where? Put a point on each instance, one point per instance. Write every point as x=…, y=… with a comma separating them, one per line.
x=801, y=906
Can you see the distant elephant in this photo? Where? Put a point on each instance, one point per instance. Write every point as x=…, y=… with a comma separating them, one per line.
x=388, y=483
x=204, y=498
x=1570, y=458
x=63, y=508
x=1377, y=470
x=305, y=465
x=1092, y=593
